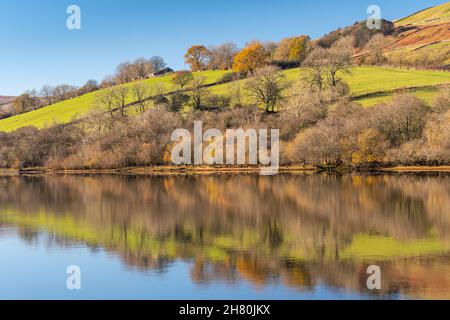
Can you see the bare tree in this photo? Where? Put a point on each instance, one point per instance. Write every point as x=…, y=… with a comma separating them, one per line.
x=222, y=57
x=126, y=72
x=63, y=92
x=120, y=96
x=315, y=65
x=47, y=94
x=182, y=78
x=198, y=92
x=325, y=65
x=157, y=63
x=339, y=60
x=142, y=95
x=236, y=92
x=105, y=100
x=376, y=46
x=142, y=68
x=267, y=87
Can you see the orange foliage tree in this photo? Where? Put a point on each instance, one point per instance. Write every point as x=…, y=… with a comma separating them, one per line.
x=250, y=58
x=197, y=57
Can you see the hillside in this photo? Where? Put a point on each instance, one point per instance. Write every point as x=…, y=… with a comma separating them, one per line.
x=369, y=85
x=433, y=15
x=420, y=35
x=68, y=110
x=424, y=33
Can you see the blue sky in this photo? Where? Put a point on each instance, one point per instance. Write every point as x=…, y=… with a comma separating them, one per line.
x=37, y=48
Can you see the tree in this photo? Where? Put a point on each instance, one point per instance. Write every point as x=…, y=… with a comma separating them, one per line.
x=297, y=48
x=105, y=100
x=120, y=96
x=157, y=63
x=292, y=49
x=250, y=58
x=182, y=78
x=89, y=86
x=376, y=46
x=108, y=81
x=271, y=49
x=198, y=92
x=26, y=102
x=47, y=94
x=114, y=99
x=324, y=65
x=197, y=57
x=175, y=102
x=222, y=57
x=339, y=60
x=141, y=68
x=267, y=87
x=315, y=65
x=126, y=72
x=142, y=96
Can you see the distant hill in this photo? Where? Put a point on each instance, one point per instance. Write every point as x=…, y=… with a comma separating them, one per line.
x=5, y=102
x=427, y=31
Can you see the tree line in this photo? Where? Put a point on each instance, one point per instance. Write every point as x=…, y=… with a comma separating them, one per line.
x=126, y=72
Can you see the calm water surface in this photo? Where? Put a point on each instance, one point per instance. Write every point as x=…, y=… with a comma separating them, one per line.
x=299, y=236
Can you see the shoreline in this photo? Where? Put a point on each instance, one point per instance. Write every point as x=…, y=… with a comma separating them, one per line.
x=208, y=170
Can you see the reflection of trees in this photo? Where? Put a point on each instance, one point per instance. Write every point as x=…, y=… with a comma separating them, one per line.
x=290, y=227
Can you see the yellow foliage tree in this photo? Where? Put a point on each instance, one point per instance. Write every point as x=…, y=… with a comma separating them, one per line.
x=250, y=58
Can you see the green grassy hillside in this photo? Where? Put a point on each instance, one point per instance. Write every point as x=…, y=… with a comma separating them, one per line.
x=66, y=111
x=432, y=15
x=369, y=85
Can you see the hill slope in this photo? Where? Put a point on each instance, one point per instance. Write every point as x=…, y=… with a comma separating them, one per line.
x=433, y=15
x=68, y=110
x=369, y=85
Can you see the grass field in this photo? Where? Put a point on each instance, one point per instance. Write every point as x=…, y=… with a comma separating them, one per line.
x=374, y=83
x=433, y=15
x=378, y=83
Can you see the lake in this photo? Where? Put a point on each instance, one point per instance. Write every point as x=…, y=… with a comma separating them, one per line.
x=291, y=236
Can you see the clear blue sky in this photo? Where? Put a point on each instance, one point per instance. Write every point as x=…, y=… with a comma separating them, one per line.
x=37, y=48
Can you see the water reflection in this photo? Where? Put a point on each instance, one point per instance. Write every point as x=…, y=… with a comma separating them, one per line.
x=297, y=230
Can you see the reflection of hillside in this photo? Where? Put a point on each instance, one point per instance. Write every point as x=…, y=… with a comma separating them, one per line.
x=301, y=229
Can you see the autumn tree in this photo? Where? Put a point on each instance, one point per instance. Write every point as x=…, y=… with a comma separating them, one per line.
x=197, y=57
x=26, y=102
x=250, y=58
x=292, y=49
x=182, y=78
x=267, y=87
